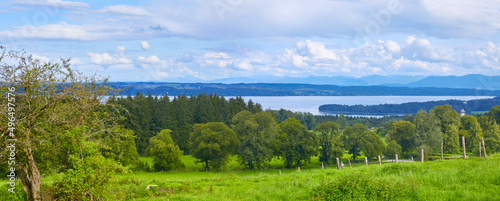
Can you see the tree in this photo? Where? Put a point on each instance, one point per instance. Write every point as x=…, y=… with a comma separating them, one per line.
x=294, y=143
x=492, y=138
x=451, y=140
x=428, y=134
x=166, y=155
x=403, y=132
x=446, y=116
x=213, y=143
x=119, y=145
x=256, y=133
x=353, y=139
x=494, y=114
x=50, y=99
x=373, y=145
x=329, y=140
x=342, y=121
x=392, y=149
x=473, y=133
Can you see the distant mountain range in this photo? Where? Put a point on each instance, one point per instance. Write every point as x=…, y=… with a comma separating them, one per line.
x=471, y=81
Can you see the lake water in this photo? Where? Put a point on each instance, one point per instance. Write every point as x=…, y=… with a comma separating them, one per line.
x=312, y=103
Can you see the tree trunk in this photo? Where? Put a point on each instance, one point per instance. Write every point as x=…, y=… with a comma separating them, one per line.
x=30, y=177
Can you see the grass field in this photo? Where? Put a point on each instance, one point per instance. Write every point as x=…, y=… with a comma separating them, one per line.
x=459, y=179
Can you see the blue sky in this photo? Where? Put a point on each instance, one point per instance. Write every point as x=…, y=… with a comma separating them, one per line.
x=212, y=39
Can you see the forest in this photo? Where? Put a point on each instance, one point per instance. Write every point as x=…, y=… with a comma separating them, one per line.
x=411, y=107
x=72, y=137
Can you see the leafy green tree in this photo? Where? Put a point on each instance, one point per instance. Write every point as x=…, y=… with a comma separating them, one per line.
x=392, y=149
x=256, y=133
x=428, y=132
x=451, y=139
x=50, y=99
x=494, y=113
x=342, y=121
x=492, y=138
x=473, y=133
x=166, y=155
x=213, y=143
x=373, y=145
x=354, y=139
x=295, y=144
x=119, y=145
x=329, y=140
x=446, y=116
x=403, y=132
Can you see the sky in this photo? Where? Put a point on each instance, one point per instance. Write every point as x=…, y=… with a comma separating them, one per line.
x=191, y=40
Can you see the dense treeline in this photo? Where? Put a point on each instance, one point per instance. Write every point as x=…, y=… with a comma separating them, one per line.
x=148, y=115
x=411, y=108
x=265, y=89
x=211, y=128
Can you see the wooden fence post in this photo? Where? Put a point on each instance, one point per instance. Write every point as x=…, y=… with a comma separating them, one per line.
x=322, y=166
x=397, y=158
x=422, y=150
x=463, y=146
x=349, y=163
x=484, y=147
x=298, y=169
x=479, y=149
x=366, y=161
x=442, y=150
x=412, y=159
x=338, y=164
x=379, y=161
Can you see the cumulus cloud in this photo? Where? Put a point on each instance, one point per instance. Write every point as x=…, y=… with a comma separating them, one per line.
x=145, y=45
x=120, y=48
x=150, y=60
x=107, y=59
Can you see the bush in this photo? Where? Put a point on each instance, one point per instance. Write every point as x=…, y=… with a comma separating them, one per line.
x=358, y=187
x=88, y=181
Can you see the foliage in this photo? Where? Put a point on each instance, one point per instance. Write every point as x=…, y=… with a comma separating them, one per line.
x=148, y=115
x=451, y=140
x=492, y=138
x=342, y=121
x=87, y=181
x=329, y=140
x=119, y=145
x=213, y=143
x=50, y=98
x=473, y=133
x=428, y=133
x=294, y=143
x=354, y=139
x=358, y=187
x=392, y=149
x=256, y=133
x=403, y=132
x=166, y=155
x=373, y=145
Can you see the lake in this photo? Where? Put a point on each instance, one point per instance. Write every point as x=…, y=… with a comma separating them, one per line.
x=312, y=103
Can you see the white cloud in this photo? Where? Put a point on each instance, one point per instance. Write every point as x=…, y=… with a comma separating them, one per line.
x=41, y=58
x=126, y=10
x=218, y=55
x=150, y=60
x=120, y=48
x=145, y=45
x=106, y=59
x=53, y=3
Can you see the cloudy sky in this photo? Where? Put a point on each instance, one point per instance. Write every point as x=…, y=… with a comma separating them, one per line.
x=212, y=39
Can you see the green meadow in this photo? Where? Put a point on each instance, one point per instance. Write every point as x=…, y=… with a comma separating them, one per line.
x=458, y=179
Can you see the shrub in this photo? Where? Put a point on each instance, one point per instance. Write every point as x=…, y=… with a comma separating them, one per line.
x=357, y=187
x=87, y=181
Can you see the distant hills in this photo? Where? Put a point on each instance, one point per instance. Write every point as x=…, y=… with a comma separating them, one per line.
x=471, y=81
x=282, y=89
